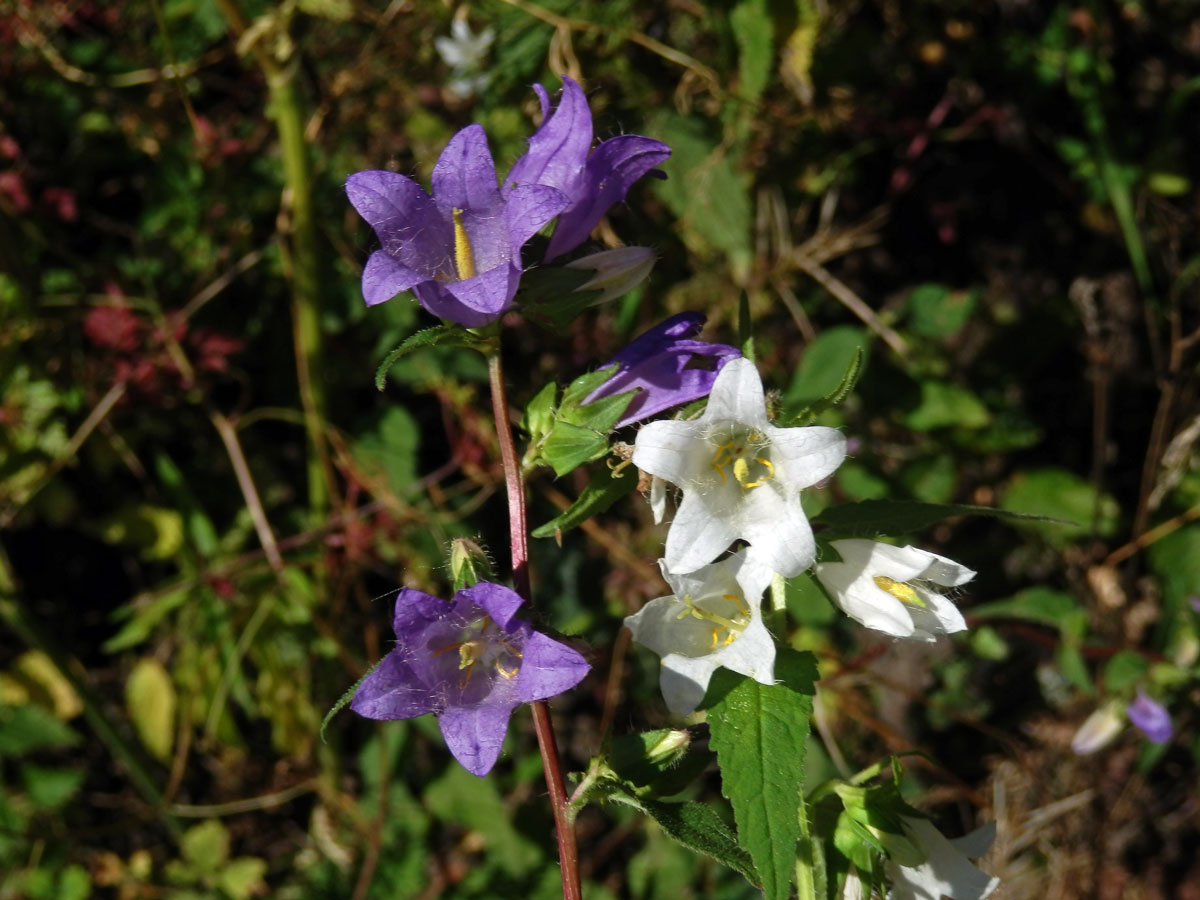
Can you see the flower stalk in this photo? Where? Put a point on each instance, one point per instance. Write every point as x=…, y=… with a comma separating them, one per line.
x=519, y=542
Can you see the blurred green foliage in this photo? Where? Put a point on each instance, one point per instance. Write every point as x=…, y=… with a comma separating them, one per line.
x=996, y=203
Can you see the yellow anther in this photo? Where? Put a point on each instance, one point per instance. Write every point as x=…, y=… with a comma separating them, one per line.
x=464, y=260
x=741, y=470
x=766, y=462
x=898, y=589
x=737, y=601
x=729, y=638
x=721, y=472
x=713, y=645
x=507, y=673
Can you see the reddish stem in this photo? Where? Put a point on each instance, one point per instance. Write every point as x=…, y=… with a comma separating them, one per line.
x=519, y=541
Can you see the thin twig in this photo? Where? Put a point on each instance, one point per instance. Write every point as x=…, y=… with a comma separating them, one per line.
x=851, y=301
x=250, y=804
x=249, y=492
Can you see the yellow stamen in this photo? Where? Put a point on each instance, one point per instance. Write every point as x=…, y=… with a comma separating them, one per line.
x=898, y=589
x=713, y=645
x=766, y=462
x=463, y=682
x=507, y=673
x=447, y=647
x=737, y=601
x=721, y=472
x=464, y=260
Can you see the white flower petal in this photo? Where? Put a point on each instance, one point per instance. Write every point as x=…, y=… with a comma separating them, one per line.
x=669, y=449
x=698, y=533
x=939, y=616
x=946, y=871
x=946, y=572
x=684, y=681
x=804, y=456
x=737, y=396
x=658, y=498
x=779, y=534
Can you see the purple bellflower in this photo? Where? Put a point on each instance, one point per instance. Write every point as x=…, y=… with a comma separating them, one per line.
x=668, y=367
x=561, y=156
x=459, y=251
x=471, y=664
x=1151, y=718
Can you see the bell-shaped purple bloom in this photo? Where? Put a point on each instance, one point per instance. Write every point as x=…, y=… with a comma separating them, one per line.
x=1151, y=718
x=459, y=251
x=561, y=156
x=471, y=664
x=669, y=368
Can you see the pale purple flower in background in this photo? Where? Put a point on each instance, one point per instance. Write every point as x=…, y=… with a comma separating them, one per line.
x=618, y=271
x=1151, y=718
x=740, y=475
x=1194, y=603
x=459, y=250
x=666, y=367
x=471, y=664
x=561, y=156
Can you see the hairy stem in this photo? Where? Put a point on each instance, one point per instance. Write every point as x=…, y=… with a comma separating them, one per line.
x=519, y=542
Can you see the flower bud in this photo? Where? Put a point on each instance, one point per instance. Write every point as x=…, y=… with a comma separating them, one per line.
x=617, y=271
x=670, y=748
x=1151, y=718
x=1098, y=730
x=469, y=563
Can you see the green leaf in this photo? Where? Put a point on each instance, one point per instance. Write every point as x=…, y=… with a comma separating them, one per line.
x=48, y=788
x=759, y=733
x=437, y=336
x=243, y=877
x=605, y=488
x=24, y=729
x=829, y=369
x=946, y=405
x=150, y=701
x=1040, y=605
x=578, y=390
x=1124, y=670
x=144, y=620
x=656, y=763
x=458, y=796
x=878, y=518
x=569, y=446
x=699, y=828
x=345, y=699
x=206, y=846
x=1066, y=502
x=936, y=311
x=754, y=32
x=390, y=448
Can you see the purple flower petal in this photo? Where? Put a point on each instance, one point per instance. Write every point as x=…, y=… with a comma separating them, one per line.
x=496, y=600
x=667, y=369
x=465, y=176
x=611, y=171
x=475, y=734
x=383, y=278
x=392, y=691
x=558, y=150
x=548, y=667
x=415, y=608
x=529, y=207
x=1151, y=718
x=483, y=298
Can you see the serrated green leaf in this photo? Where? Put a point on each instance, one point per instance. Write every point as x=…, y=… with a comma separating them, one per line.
x=877, y=518
x=759, y=733
x=437, y=336
x=345, y=699
x=150, y=701
x=604, y=489
x=1067, y=503
x=569, y=446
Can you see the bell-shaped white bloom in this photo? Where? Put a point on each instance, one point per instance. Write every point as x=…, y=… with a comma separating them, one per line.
x=888, y=588
x=947, y=870
x=713, y=619
x=740, y=475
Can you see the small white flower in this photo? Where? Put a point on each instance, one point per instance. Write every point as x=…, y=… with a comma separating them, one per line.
x=464, y=49
x=713, y=619
x=947, y=870
x=887, y=588
x=740, y=476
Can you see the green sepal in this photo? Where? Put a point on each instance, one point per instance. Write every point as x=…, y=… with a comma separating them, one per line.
x=877, y=518
x=539, y=413
x=437, y=336
x=605, y=488
x=345, y=699
x=550, y=296
x=569, y=446
x=656, y=763
x=850, y=378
